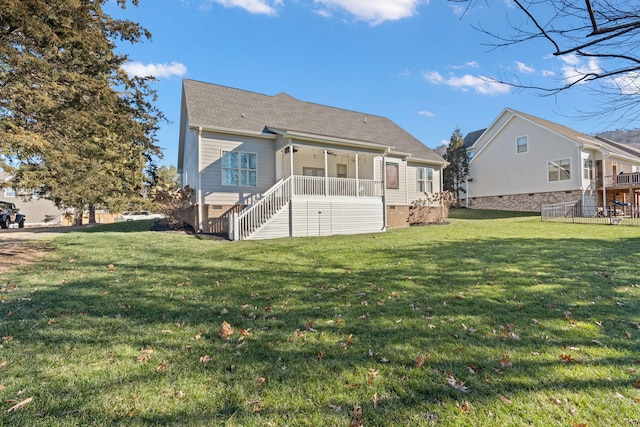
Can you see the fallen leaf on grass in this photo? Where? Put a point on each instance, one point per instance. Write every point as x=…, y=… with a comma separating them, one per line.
x=505, y=361
x=418, y=361
x=464, y=407
x=457, y=384
x=505, y=399
x=356, y=417
x=335, y=408
x=260, y=381
x=19, y=405
x=162, y=366
x=205, y=359
x=566, y=358
x=225, y=330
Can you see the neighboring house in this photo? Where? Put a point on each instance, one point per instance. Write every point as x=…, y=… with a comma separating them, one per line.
x=38, y=211
x=521, y=162
x=274, y=166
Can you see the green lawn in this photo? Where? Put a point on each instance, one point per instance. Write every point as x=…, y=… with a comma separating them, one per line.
x=491, y=320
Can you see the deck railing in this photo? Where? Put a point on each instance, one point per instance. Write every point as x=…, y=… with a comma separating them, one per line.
x=336, y=187
x=622, y=180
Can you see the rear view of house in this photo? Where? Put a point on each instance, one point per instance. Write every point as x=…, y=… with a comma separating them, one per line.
x=273, y=166
x=521, y=162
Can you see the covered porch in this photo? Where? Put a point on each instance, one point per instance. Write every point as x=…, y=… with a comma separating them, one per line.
x=620, y=194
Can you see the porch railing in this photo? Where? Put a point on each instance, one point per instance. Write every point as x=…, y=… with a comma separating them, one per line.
x=256, y=215
x=621, y=180
x=336, y=187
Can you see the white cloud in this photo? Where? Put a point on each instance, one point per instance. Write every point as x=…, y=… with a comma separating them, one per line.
x=265, y=7
x=471, y=64
x=426, y=113
x=548, y=73
x=524, y=68
x=481, y=84
x=373, y=11
x=628, y=84
x=575, y=70
x=155, y=70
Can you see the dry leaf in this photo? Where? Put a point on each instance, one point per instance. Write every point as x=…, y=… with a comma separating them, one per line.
x=473, y=369
x=457, y=384
x=555, y=401
x=505, y=399
x=225, y=330
x=566, y=358
x=321, y=355
x=464, y=406
x=244, y=332
x=162, y=366
x=335, y=408
x=19, y=405
x=356, y=417
x=636, y=383
x=260, y=381
x=205, y=359
x=419, y=360
x=505, y=361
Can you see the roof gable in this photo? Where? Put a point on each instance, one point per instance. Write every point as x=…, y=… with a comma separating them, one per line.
x=213, y=106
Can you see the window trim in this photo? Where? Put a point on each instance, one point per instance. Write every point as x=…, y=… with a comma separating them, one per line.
x=525, y=145
x=10, y=192
x=427, y=181
x=558, y=162
x=239, y=168
x=389, y=183
x=588, y=172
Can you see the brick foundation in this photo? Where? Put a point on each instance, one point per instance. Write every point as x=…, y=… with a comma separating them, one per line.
x=523, y=202
x=397, y=216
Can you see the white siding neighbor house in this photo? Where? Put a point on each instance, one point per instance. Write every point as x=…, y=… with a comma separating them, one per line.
x=274, y=166
x=521, y=162
x=37, y=211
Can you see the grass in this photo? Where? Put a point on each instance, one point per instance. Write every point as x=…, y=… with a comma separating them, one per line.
x=117, y=325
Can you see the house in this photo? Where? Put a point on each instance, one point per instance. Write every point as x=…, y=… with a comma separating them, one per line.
x=521, y=162
x=267, y=166
x=38, y=211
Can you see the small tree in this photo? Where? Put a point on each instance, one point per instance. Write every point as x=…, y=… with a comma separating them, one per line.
x=455, y=175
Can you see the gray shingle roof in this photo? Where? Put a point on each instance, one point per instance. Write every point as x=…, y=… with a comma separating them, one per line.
x=214, y=106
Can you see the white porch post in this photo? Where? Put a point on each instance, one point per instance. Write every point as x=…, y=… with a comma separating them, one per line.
x=291, y=166
x=199, y=193
x=357, y=179
x=604, y=187
x=326, y=173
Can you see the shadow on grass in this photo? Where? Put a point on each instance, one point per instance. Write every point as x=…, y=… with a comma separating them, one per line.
x=466, y=213
x=320, y=321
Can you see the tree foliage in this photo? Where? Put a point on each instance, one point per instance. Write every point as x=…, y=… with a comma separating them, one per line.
x=73, y=125
x=604, y=32
x=456, y=173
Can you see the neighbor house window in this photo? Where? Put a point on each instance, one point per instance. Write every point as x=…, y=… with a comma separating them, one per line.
x=559, y=170
x=9, y=192
x=393, y=176
x=342, y=170
x=471, y=154
x=239, y=169
x=588, y=169
x=521, y=144
x=425, y=180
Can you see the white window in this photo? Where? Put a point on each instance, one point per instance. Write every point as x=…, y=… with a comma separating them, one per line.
x=239, y=169
x=521, y=144
x=425, y=180
x=342, y=170
x=559, y=170
x=9, y=192
x=588, y=169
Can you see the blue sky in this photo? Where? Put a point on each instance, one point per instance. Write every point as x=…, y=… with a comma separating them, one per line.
x=418, y=62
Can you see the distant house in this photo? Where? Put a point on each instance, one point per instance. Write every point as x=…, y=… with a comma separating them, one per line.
x=521, y=162
x=38, y=211
x=274, y=166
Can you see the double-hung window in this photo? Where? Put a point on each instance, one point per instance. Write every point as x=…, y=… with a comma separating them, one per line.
x=559, y=170
x=9, y=192
x=425, y=180
x=521, y=144
x=588, y=169
x=239, y=169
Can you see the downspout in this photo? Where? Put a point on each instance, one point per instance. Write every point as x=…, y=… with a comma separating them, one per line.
x=580, y=179
x=199, y=190
x=384, y=190
x=604, y=185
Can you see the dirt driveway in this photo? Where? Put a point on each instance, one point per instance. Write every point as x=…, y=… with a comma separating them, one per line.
x=20, y=246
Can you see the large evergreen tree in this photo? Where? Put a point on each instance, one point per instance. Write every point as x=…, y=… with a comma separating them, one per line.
x=456, y=173
x=72, y=123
